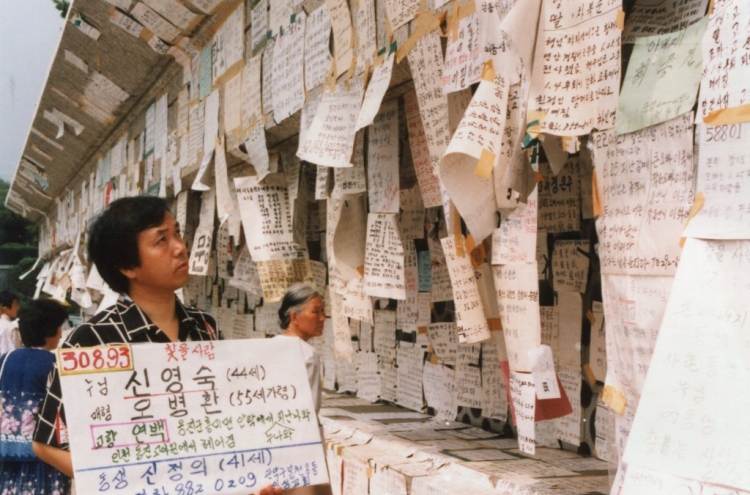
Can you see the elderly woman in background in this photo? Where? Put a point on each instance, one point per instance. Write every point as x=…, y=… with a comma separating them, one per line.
x=23, y=383
x=302, y=316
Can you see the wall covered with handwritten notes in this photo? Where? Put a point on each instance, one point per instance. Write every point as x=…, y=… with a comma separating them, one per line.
x=528, y=215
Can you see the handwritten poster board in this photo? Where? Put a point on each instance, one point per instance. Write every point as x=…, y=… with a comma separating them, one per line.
x=646, y=188
x=688, y=422
x=662, y=79
x=218, y=417
x=724, y=181
x=649, y=18
x=577, y=97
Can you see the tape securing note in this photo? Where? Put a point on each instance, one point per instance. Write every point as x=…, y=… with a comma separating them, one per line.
x=614, y=399
x=426, y=22
x=589, y=374
x=590, y=316
x=698, y=202
x=488, y=71
x=734, y=115
x=495, y=324
x=620, y=21
x=485, y=164
x=454, y=21
x=597, y=204
x=534, y=121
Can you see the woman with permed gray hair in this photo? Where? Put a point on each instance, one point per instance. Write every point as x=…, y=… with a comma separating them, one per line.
x=302, y=316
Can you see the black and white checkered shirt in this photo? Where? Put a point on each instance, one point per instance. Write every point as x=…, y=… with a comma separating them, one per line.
x=122, y=323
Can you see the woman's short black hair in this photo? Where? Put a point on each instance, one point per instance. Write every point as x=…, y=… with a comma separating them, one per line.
x=113, y=240
x=294, y=300
x=40, y=319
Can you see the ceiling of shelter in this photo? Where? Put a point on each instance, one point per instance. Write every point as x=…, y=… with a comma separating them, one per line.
x=49, y=164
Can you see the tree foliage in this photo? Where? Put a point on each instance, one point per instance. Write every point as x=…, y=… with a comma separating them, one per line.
x=13, y=227
x=62, y=6
x=18, y=246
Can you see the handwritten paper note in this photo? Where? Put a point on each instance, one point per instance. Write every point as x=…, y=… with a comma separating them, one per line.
x=443, y=338
x=426, y=64
x=382, y=161
x=577, y=97
x=437, y=383
x=200, y=251
x=288, y=69
x=173, y=11
x=522, y=393
x=429, y=184
x=640, y=479
x=409, y=377
x=441, y=288
x=463, y=56
x=342, y=338
x=468, y=376
x=245, y=274
x=266, y=218
x=518, y=301
x=412, y=217
x=724, y=181
x=207, y=6
x=229, y=43
x=277, y=275
x=356, y=304
x=407, y=310
x=352, y=180
x=317, y=57
x=196, y=119
x=724, y=71
x=341, y=22
x=364, y=20
x=560, y=199
x=401, y=11
x=154, y=22
x=696, y=371
x=278, y=15
x=662, y=79
x=258, y=25
x=126, y=23
x=376, y=88
x=330, y=139
x=570, y=265
x=267, y=71
x=251, y=93
x=111, y=432
x=515, y=240
x=466, y=168
x=368, y=380
x=384, y=258
x=471, y=323
x=646, y=189
x=650, y=19
x=103, y=93
x=255, y=144
x=568, y=428
x=494, y=392
x=633, y=309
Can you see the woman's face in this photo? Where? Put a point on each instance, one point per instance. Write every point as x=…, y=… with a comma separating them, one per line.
x=308, y=322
